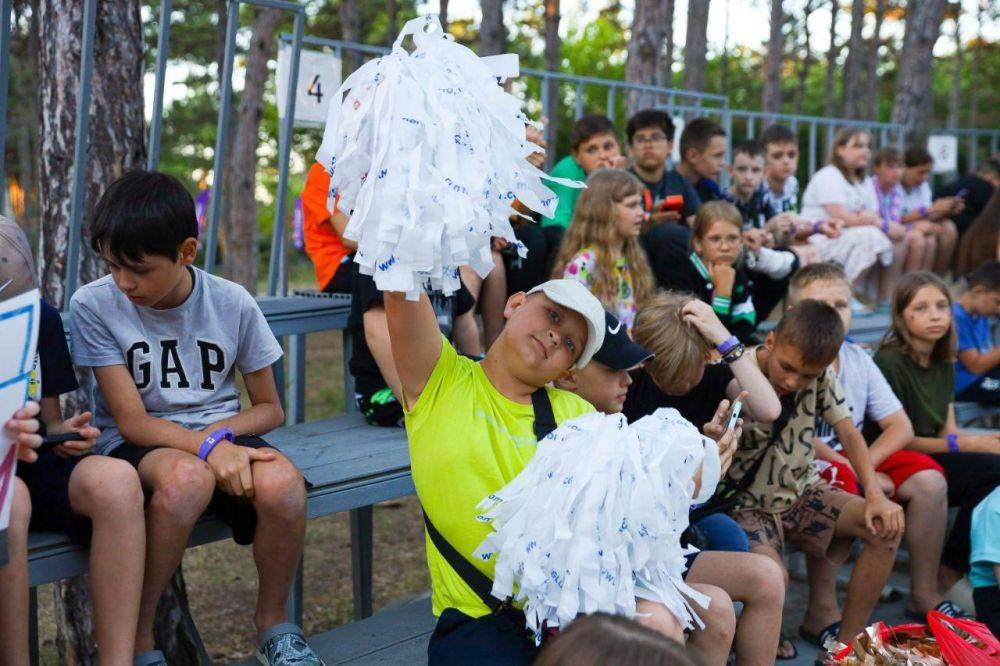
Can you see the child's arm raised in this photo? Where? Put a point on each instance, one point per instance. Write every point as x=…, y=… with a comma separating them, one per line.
x=416, y=342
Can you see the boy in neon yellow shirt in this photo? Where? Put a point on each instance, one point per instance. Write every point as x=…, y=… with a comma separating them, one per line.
x=471, y=428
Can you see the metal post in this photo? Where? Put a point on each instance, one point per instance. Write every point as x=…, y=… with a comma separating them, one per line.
x=829, y=137
x=293, y=605
x=286, y=135
x=296, y=410
x=993, y=143
x=579, y=99
x=278, y=367
x=156, y=126
x=349, y=404
x=973, y=151
x=5, y=7
x=222, y=133
x=546, y=111
x=883, y=137
x=33, y=657
x=361, y=560
x=611, y=103
x=80, y=150
x=750, y=123
x=812, y=148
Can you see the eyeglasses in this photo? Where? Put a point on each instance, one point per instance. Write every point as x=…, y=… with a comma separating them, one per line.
x=651, y=140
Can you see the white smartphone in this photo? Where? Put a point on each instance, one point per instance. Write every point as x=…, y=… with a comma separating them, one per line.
x=734, y=415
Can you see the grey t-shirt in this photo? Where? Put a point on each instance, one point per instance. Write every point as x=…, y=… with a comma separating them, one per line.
x=182, y=359
x=868, y=393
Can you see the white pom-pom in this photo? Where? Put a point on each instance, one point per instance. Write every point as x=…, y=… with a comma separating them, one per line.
x=594, y=520
x=428, y=153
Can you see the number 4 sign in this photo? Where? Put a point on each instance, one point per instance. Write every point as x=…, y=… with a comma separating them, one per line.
x=319, y=78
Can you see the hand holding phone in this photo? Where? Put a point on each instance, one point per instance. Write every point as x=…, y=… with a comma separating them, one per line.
x=961, y=194
x=734, y=415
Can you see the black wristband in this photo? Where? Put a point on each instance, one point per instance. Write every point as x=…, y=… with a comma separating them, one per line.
x=734, y=354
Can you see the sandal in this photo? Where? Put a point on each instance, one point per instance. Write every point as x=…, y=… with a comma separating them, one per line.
x=946, y=607
x=786, y=642
x=820, y=639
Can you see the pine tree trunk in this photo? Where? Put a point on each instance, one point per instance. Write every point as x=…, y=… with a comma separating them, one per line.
x=350, y=31
x=854, y=83
x=117, y=143
x=644, y=51
x=771, y=102
x=916, y=68
x=240, y=225
x=956, y=76
x=977, y=59
x=805, y=61
x=665, y=75
x=874, y=89
x=492, y=32
x=829, y=89
x=443, y=14
x=696, y=45
x=553, y=63
x=392, y=14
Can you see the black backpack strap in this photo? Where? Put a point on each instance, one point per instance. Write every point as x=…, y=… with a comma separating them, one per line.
x=473, y=577
x=545, y=420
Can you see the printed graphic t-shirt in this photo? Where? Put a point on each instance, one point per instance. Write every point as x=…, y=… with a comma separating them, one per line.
x=183, y=359
x=787, y=470
x=468, y=440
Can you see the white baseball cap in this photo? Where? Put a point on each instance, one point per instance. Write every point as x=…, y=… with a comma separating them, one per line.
x=573, y=295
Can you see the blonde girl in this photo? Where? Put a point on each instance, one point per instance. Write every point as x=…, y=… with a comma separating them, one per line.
x=601, y=248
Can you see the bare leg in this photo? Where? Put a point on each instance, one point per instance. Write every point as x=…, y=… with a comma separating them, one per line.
x=756, y=581
x=656, y=617
x=823, y=609
x=711, y=645
x=930, y=253
x=108, y=492
x=889, y=275
x=14, y=581
x=916, y=251
x=947, y=235
x=871, y=570
x=494, y=298
x=280, y=501
x=182, y=487
x=925, y=495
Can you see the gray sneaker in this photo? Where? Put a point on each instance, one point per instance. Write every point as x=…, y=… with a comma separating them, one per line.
x=284, y=645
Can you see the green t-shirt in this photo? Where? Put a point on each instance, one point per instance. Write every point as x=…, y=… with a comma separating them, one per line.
x=924, y=392
x=564, y=168
x=466, y=441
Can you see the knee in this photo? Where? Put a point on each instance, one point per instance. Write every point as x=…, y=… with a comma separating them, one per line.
x=107, y=486
x=719, y=617
x=279, y=488
x=186, y=489
x=947, y=230
x=659, y=619
x=928, y=485
x=767, y=579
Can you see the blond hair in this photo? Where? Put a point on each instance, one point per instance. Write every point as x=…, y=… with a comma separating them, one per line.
x=594, y=226
x=679, y=350
x=823, y=271
x=712, y=212
x=843, y=137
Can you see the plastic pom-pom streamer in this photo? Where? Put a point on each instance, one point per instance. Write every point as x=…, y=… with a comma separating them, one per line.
x=428, y=152
x=594, y=520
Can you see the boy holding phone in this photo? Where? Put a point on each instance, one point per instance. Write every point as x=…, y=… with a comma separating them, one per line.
x=920, y=212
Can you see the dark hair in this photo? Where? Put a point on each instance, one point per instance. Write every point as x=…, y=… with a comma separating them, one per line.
x=917, y=156
x=979, y=242
x=598, y=639
x=750, y=148
x=989, y=166
x=588, y=127
x=986, y=276
x=815, y=329
x=143, y=213
x=698, y=133
x=889, y=156
x=650, y=118
x=898, y=336
x=777, y=134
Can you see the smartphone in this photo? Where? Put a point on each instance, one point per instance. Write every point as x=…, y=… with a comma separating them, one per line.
x=674, y=202
x=961, y=193
x=734, y=415
x=62, y=438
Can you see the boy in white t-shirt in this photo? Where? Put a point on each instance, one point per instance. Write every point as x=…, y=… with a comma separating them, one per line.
x=931, y=217
x=908, y=477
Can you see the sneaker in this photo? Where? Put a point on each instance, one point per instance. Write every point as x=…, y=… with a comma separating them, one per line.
x=150, y=658
x=284, y=645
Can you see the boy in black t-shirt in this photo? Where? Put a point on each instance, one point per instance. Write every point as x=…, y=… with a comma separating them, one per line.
x=650, y=135
x=703, y=156
x=376, y=384
x=95, y=500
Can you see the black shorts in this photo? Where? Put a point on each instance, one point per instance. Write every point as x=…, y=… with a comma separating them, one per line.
x=380, y=408
x=47, y=480
x=497, y=639
x=236, y=512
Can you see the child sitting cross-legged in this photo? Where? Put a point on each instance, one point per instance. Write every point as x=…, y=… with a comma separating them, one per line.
x=165, y=341
x=601, y=248
x=781, y=496
x=712, y=269
x=751, y=579
x=911, y=478
x=977, y=368
x=917, y=358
